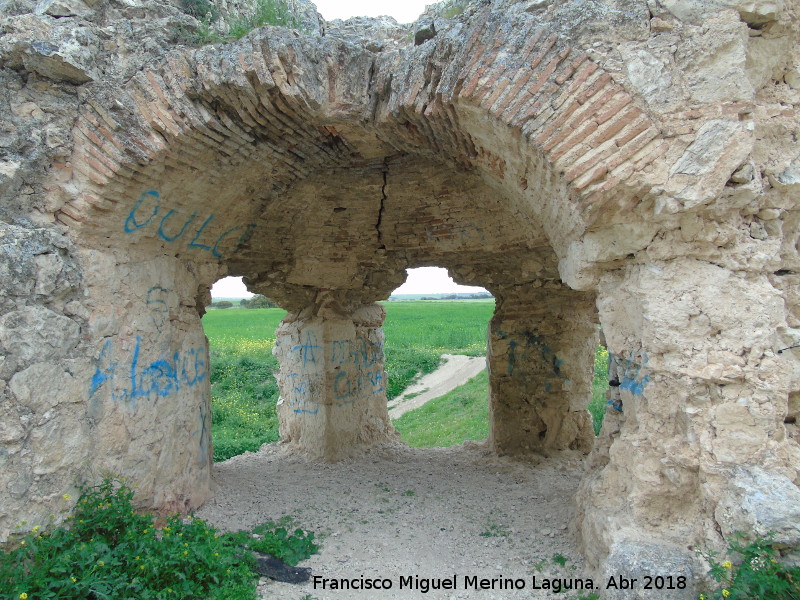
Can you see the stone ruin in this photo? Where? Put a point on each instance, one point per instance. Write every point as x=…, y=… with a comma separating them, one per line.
x=626, y=163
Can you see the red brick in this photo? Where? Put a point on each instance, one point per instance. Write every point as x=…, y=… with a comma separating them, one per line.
x=594, y=175
x=571, y=68
x=632, y=133
x=580, y=167
x=614, y=126
x=628, y=150
x=573, y=140
x=594, y=88
x=69, y=217
x=622, y=100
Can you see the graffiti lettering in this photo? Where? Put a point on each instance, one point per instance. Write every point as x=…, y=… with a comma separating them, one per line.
x=347, y=388
x=531, y=349
x=203, y=432
x=299, y=395
x=309, y=349
x=142, y=380
x=148, y=207
x=157, y=302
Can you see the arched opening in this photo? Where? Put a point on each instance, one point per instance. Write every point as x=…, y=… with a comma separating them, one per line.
x=320, y=191
x=240, y=328
x=435, y=333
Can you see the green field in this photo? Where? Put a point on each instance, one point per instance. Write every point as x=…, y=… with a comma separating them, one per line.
x=417, y=333
x=460, y=415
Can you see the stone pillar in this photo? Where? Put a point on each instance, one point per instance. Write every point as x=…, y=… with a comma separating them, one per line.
x=332, y=381
x=702, y=449
x=542, y=342
x=148, y=400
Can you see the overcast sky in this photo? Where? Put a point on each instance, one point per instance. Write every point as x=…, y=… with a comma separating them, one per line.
x=425, y=280
x=405, y=11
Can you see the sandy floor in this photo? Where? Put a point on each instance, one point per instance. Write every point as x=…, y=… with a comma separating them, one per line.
x=456, y=370
x=399, y=512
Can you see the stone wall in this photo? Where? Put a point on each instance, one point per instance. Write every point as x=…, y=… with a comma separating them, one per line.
x=632, y=164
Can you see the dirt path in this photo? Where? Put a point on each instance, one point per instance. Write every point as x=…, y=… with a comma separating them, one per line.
x=456, y=370
x=400, y=511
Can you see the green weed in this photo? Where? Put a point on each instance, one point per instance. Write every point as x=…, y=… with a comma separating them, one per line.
x=449, y=10
x=495, y=530
x=597, y=405
x=753, y=570
x=108, y=550
x=267, y=12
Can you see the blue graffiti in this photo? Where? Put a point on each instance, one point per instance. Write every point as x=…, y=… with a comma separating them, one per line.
x=309, y=349
x=298, y=397
x=521, y=351
x=159, y=308
x=630, y=371
x=149, y=203
x=203, y=432
x=158, y=379
x=348, y=388
x=165, y=218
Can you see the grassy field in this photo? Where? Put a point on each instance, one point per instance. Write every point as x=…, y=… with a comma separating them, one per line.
x=417, y=333
x=460, y=415
x=243, y=387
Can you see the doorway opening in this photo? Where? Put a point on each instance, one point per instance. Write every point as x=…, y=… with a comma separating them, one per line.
x=240, y=327
x=435, y=346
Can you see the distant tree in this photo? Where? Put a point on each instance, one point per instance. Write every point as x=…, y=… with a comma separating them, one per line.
x=244, y=302
x=222, y=304
x=259, y=301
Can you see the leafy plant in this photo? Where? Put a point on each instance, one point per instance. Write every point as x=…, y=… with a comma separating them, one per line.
x=753, y=570
x=275, y=539
x=108, y=550
x=267, y=12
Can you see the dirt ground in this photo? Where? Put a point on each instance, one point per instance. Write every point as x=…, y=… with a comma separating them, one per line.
x=400, y=512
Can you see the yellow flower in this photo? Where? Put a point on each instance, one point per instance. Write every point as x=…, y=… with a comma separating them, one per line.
x=702, y=597
x=185, y=552
x=215, y=553
x=35, y=529
x=100, y=563
x=73, y=580
x=141, y=567
x=24, y=596
x=726, y=593
x=22, y=543
x=727, y=564
x=68, y=497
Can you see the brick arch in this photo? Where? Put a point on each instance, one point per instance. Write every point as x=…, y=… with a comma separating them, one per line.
x=186, y=169
x=546, y=125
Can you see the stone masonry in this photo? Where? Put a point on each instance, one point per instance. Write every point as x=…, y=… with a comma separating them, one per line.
x=625, y=163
